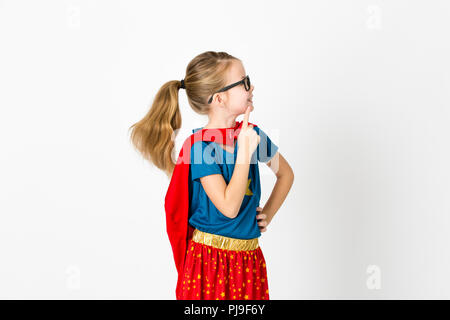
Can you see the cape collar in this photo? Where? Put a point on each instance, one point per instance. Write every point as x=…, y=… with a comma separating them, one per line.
x=220, y=135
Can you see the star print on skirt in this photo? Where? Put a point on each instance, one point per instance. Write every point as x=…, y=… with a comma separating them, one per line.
x=213, y=273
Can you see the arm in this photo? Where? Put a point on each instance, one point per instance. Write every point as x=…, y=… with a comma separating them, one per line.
x=228, y=198
x=285, y=179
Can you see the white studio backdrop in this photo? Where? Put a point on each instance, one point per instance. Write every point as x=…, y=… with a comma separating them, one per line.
x=355, y=94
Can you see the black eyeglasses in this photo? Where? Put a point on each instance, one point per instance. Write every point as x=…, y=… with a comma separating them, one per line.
x=245, y=81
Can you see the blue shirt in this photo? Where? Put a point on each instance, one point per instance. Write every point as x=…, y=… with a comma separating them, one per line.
x=209, y=158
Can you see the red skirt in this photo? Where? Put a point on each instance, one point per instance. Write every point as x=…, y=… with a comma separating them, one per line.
x=223, y=268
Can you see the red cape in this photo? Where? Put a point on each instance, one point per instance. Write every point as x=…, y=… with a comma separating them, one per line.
x=176, y=202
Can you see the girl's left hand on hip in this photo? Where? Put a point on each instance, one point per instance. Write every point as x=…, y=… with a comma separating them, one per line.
x=261, y=218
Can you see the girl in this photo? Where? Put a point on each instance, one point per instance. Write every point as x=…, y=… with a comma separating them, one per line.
x=212, y=203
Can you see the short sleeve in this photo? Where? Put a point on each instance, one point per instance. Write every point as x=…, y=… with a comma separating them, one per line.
x=266, y=148
x=203, y=160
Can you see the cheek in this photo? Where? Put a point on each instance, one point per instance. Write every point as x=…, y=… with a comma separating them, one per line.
x=238, y=104
x=240, y=107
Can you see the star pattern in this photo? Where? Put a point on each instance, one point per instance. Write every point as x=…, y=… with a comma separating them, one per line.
x=224, y=274
x=249, y=192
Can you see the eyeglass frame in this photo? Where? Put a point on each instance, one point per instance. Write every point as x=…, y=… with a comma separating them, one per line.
x=233, y=85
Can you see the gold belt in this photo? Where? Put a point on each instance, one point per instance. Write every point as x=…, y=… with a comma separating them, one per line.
x=225, y=243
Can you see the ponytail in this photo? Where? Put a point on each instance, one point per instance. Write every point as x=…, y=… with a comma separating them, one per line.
x=153, y=135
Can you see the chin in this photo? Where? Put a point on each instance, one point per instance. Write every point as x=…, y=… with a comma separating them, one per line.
x=251, y=107
x=242, y=111
x=248, y=105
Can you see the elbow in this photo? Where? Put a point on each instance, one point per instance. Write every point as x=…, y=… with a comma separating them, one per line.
x=291, y=178
x=288, y=175
x=231, y=214
x=230, y=208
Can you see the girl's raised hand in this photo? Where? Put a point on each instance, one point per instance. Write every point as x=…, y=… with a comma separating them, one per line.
x=248, y=139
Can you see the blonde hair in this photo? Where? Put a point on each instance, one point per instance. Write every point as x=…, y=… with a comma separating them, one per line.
x=153, y=136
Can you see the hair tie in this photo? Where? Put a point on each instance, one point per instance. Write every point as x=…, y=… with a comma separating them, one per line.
x=182, y=84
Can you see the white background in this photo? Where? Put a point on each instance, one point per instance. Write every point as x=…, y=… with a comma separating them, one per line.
x=355, y=94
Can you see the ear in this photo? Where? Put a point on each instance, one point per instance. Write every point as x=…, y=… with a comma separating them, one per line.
x=216, y=98
x=220, y=97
